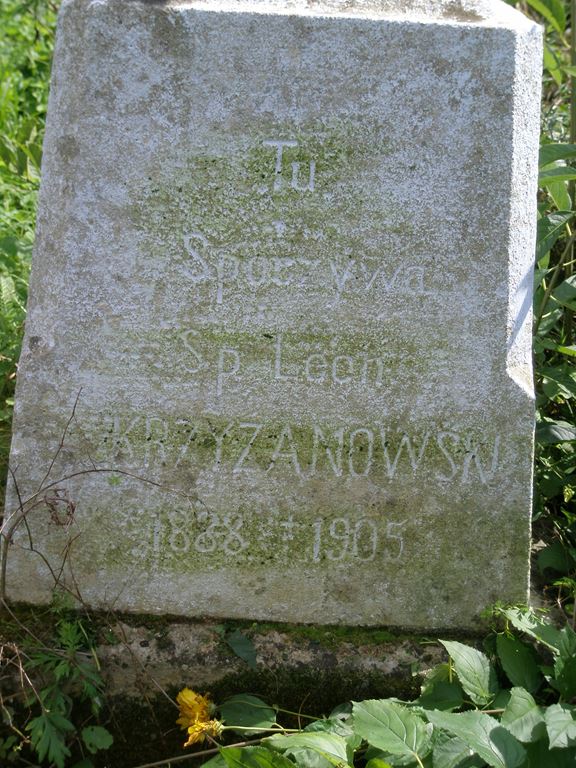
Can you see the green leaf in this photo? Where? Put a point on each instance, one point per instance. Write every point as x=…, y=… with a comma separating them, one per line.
x=377, y=762
x=48, y=737
x=553, y=175
x=565, y=293
x=441, y=690
x=391, y=727
x=558, y=380
x=567, y=642
x=552, y=11
x=215, y=762
x=565, y=677
x=525, y=620
x=474, y=671
x=553, y=64
x=493, y=743
x=242, y=647
x=541, y=756
x=254, y=757
x=523, y=717
x=550, y=229
x=95, y=737
x=452, y=752
x=248, y=711
x=308, y=757
x=329, y=745
x=341, y=727
x=444, y=695
x=519, y=663
x=397, y=761
x=558, y=192
x=561, y=725
x=570, y=351
x=555, y=557
x=550, y=432
x=549, y=153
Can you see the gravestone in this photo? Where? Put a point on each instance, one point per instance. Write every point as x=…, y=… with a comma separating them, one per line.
x=277, y=355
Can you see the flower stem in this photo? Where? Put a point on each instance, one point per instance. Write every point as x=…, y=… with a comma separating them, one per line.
x=278, y=729
x=296, y=714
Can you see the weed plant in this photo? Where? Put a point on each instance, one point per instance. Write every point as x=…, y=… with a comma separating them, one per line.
x=26, y=42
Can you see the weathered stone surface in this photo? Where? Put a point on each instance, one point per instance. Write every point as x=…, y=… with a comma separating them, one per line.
x=283, y=270
x=136, y=660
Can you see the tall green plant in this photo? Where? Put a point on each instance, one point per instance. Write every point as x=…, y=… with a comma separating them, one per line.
x=26, y=41
x=555, y=302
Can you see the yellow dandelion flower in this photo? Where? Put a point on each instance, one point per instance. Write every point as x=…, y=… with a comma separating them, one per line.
x=193, y=708
x=199, y=731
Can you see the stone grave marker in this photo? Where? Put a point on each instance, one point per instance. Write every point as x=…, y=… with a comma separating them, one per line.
x=277, y=355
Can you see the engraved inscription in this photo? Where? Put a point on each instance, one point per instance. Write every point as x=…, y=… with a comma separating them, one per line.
x=241, y=535
x=225, y=271
x=295, y=176
x=238, y=446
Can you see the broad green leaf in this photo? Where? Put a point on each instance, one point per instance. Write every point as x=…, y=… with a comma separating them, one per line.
x=441, y=690
x=95, y=737
x=329, y=745
x=541, y=756
x=391, y=727
x=565, y=293
x=553, y=175
x=474, y=671
x=242, y=647
x=254, y=757
x=398, y=761
x=552, y=11
x=558, y=380
x=567, y=642
x=491, y=741
x=555, y=557
x=452, y=752
x=500, y=701
x=215, y=762
x=342, y=711
x=519, y=663
x=559, y=194
x=308, y=758
x=377, y=762
x=550, y=432
x=247, y=711
x=549, y=153
x=443, y=695
x=561, y=725
x=341, y=727
x=550, y=229
x=523, y=717
x=525, y=620
x=565, y=677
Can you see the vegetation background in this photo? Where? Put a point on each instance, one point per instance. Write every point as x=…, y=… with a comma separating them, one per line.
x=26, y=43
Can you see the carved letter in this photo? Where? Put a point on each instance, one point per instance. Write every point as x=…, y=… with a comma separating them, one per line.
x=278, y=362
x=290, y=453
x=278, y=167
x=342, y=279
x=246, y=451
x=369, y=452
x=334, y=458
x=223, y=371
